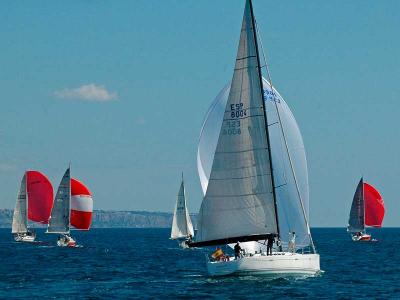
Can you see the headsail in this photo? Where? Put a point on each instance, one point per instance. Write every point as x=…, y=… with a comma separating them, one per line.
x=181, y=224
x=239, y=201
x=60, y=214
x=374, y=206
x=356, y=219
x=20, y=220
x=40, y=196
x=81, y=205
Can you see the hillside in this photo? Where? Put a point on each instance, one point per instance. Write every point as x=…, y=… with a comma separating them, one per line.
x=114, y=219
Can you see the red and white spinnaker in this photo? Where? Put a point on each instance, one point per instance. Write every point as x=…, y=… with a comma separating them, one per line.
x=81, y=205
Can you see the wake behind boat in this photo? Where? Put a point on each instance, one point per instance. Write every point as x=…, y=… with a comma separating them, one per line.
x=244, y=200
x=182, y=228
x=34, y=201
x=73, y=206
x=367, y=209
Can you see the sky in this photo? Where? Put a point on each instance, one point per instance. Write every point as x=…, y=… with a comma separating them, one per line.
x=119, y=89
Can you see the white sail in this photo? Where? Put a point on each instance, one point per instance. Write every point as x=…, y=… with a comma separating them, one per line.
x=59, y=221
x=289, y=209
x=181, y=224
x=239, y=201
x=20, y=217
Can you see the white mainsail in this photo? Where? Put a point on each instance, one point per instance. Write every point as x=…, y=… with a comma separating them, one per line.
x=181, y=224
x=20, y=217
x=239, y=201
x=288, y=203
x=59, y=221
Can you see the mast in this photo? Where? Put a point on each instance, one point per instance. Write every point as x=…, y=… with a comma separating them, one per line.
x=69, y=208
x=184, y=201
x=362, y=196
x=265, y=115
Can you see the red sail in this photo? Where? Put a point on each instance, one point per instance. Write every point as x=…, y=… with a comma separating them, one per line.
x=374, y=206
x=40, y=196
x=81, y=205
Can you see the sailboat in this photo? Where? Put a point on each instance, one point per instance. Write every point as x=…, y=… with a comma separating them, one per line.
x=73, y=206
x=182, y=228
x=34, y=202
x=367, y=209
x=253, y=172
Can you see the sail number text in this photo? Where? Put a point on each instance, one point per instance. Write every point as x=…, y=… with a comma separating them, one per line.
x=232, y=127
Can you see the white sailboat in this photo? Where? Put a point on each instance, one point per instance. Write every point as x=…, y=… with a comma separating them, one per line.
x=34, y=201
x=59, y=222
x=244, y=200
x=182, y=228
x=20, y=218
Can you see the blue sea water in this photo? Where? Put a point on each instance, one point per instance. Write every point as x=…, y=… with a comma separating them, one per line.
x=144, y=263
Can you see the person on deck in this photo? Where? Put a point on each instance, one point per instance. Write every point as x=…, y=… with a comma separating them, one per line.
x=292, y=242
x=270, y=243
x=237, y=249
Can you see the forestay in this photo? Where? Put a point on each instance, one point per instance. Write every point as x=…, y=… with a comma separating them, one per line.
x=60, y=215
x=356, y=219
x=181, y=224
x=239, y=201
x=20, y=218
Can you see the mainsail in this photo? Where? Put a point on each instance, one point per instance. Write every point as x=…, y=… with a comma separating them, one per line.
x=20, y=220
x=60, y=214
x=239, y=203
x=181, y=224
x=374, y=206
x=290, y=214
x=356, y=219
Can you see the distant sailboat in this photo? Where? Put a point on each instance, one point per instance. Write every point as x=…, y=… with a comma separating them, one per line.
x=244, y=200
x=73, y=205
x=367, y=209
x=34, y=202
x=182, y=228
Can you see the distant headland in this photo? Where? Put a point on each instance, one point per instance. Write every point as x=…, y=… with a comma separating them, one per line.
x=114, y=219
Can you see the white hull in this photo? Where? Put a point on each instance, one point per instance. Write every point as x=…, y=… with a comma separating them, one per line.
x=280, y=263
x=25, y=238
x=66, y=241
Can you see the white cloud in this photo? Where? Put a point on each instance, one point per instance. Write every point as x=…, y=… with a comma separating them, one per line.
x=88, y=92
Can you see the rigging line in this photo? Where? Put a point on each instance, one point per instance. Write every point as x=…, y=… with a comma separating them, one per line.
x=287, y=147
x=254, y=33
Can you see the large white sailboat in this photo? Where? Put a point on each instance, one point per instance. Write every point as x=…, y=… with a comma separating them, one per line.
x=253, y=172
x=34, y=201
x=182, y=228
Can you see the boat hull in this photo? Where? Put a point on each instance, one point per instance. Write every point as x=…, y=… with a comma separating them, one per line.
x=66, y=242
x=280, y=263
x=362, y=238
x=24, y=238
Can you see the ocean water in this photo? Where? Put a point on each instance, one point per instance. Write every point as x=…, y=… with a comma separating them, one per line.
x=144, y=263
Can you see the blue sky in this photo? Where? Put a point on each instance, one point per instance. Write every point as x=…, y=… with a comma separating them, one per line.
x=120, y=89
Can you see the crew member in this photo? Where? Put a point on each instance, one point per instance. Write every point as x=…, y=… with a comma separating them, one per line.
x=237, y=249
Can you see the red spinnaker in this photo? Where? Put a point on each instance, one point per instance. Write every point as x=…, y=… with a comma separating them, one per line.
x=40, y=196
x=81, y=205
x=374, y=206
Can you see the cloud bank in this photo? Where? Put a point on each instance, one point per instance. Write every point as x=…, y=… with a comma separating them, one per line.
x=88, y=92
